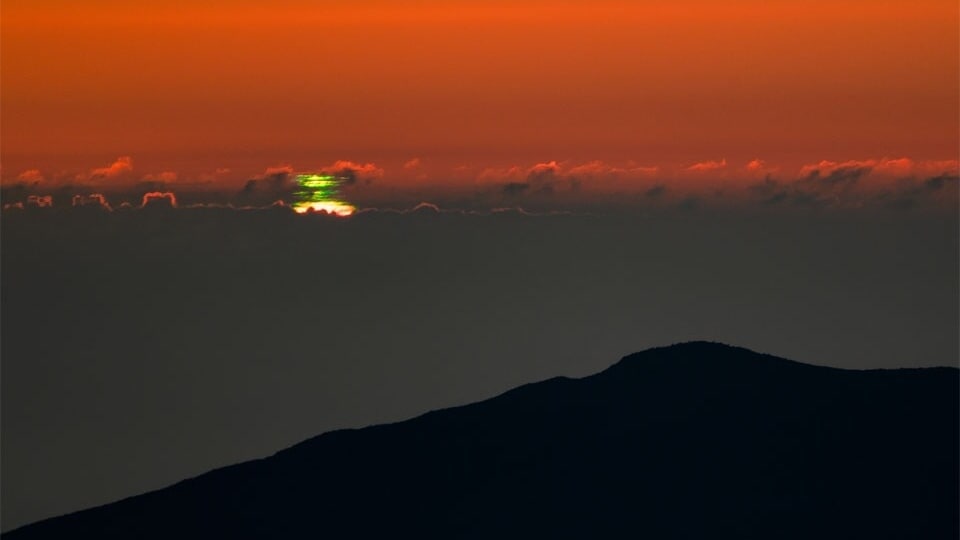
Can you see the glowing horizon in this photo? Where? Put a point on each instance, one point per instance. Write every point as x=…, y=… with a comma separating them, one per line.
x=432, y=87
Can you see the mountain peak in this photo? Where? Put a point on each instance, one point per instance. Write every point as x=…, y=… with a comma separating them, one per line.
x=694, y=440
x=687, y=358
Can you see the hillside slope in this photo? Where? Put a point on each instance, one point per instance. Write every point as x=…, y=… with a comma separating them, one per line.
x=694, y=440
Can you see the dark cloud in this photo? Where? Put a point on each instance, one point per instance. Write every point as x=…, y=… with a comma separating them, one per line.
x=40, y=201
x=841, y=176
x=276, y=183
x=514, y=189
x=939, y=182
x=656, y=191
x=911, y=194
x=690, y=202
x=95, y=200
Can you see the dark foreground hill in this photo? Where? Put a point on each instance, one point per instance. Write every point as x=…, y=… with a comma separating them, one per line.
x=697, y=440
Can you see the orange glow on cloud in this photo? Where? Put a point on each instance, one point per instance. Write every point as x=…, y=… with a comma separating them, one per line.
x=158, y=197
x=190, y=87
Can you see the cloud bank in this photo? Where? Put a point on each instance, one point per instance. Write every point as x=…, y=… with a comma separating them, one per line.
x=890, y=183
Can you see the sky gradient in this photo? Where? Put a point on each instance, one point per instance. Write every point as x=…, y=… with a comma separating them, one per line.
x=452, y=95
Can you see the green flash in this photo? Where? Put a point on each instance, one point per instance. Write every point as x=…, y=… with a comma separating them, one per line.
x=320, y=193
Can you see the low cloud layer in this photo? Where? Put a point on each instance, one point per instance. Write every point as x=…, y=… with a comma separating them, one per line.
x=595, y=186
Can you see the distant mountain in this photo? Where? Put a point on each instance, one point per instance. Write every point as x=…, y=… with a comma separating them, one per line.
x=697, y=440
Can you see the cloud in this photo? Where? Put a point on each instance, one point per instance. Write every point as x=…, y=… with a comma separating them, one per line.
x=92, y=199
x=797, y=193
x=428, y=208
x=599, y=168
x=888, y=167
x=165, y=177
x=900, y=166
x=121, y=167
x=159, y=199
x=350, y=172
x=40, y=201
x=217, y=174
x=425, y=207
x=893, y=184
x=541, y=186
x=275, y=183
x=546, y=170
x=941, y=189
x=538, y=173
x=551, y=170
x=942, y=167
x=656, y=191
x=839, y=176
x=31, y=176
x=514, y=189
x=279, y=182
x=280, y=171
x=707, y=166
x=690, y=202
x=501, y=174
x=937, y=183
x=557, y=179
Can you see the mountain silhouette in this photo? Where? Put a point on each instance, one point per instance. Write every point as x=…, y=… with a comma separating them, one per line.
x=695, y=440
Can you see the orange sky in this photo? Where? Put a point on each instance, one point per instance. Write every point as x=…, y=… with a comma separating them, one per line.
x=191, y=87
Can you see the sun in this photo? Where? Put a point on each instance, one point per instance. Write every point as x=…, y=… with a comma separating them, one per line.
x=320, y=193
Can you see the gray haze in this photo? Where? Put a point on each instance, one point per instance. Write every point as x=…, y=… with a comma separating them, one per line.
x=141, y=347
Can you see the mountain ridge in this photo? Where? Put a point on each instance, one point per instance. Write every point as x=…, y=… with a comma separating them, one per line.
x=465, y=471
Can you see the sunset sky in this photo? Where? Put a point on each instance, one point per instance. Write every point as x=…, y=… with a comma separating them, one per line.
x=536, y=188
x=448, y=93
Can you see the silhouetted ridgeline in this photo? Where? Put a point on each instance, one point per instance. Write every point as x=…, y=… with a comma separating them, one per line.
x=697, y=440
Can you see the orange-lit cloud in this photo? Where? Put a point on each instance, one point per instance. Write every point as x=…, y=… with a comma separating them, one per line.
x=353, y=171
x=756, y=165
x=120, y=167
x=595, y=169
x=31, y=176
x=279, y=170
x=161, y=198
x=599, y=168
x=885, y=167
x=708, y=166
x=758, y=168
x=543, y=186
x=946, y=166
x=826, y=168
